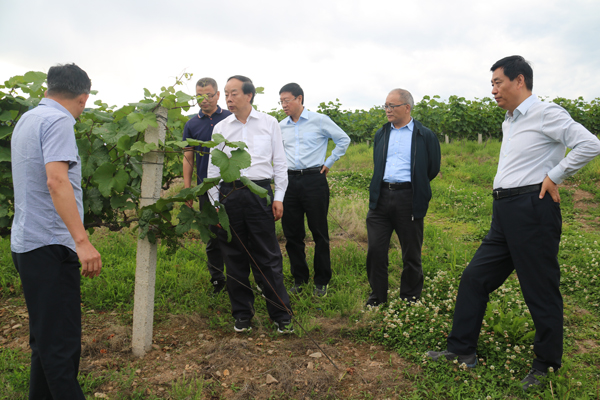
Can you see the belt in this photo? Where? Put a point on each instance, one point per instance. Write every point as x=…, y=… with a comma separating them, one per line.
x=306, y=171
x=503, y=193
x=264, y=183
x=396, y=186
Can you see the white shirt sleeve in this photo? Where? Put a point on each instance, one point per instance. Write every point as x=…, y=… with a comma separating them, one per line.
x=280, y=175
x=559, y=125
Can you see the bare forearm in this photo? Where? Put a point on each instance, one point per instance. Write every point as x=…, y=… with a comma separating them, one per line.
x=63, y=198
x=64, y=202
x=188, y=168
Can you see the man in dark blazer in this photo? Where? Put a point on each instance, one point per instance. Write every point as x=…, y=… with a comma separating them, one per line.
x=406, y=157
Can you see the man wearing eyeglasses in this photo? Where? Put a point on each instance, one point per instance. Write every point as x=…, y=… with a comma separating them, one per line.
x=253, y=246
x=200, y=127
x=406, y=158
x=305, y=137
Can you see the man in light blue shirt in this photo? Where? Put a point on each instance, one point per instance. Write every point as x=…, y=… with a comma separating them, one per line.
x=526, y=223
x=305, y=137
x=48, y=239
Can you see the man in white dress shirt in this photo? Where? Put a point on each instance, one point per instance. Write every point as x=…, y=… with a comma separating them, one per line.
x=254, y=243
x=526, y=221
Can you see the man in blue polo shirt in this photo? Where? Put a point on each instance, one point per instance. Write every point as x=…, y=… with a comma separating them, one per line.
x=200, y=127
x=48, y=239
x=305, y=137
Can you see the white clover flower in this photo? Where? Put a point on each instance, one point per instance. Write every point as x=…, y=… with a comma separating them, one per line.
x=492, y=367
x=550, y=369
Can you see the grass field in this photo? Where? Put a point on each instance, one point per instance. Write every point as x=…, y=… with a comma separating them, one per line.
x=395, y=335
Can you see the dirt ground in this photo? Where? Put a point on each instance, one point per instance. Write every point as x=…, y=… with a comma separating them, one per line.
x=259, y=365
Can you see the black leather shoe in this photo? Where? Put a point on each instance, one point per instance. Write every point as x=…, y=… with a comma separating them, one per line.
x=373, y=301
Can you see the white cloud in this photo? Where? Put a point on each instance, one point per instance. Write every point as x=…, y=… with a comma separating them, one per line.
x=352, y=50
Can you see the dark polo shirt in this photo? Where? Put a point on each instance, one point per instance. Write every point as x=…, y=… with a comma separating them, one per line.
x=200, y=127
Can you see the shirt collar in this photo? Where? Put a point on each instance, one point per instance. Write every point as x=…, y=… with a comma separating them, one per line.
x=253, y=113
x=218, y=111
x=303, y=115
x=409, y=126
x=523, y=107
x=56, y=105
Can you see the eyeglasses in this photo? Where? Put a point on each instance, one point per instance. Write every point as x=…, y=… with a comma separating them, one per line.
x=391, y=106
x=286, y=101
x=207, y=95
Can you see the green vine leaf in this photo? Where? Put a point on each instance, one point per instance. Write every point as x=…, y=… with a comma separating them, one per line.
x=142, y=147
x=109, y=177
x=230, y=167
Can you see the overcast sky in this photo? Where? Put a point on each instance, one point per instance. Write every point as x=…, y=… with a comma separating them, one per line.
x=352, y=50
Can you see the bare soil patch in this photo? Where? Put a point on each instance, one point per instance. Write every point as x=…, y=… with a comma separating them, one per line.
x=261, y=364
x=582, y=200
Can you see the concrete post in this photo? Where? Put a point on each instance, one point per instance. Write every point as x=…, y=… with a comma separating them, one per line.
x=145, y=271
x=479, y=138
x=447, y=139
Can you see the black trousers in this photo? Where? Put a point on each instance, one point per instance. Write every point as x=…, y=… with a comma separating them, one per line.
x=253, y=240
x=394, y=213
x=51, y=284
x=524, y=236
x=307, y=194
x=214, y=257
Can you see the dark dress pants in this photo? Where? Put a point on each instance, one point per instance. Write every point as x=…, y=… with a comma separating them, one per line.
x=214, y=259
x=307, y=194
x=51, y=283
x=524, y=236
x=394, y=213
x=253, y=240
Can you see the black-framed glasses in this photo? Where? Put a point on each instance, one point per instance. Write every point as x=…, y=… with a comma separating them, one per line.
x=286, y=101
x=207, y=95
x=392, y=106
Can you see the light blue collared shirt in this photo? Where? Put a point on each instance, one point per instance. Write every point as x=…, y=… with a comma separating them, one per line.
x=305, y=141
x=397, y=164
x=534, y=141
x=44, y=134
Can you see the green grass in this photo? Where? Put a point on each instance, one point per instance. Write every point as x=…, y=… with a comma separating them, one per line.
x=459, y=216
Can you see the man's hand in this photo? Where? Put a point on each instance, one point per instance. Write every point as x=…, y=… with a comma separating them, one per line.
x=277, y=210
x=324, y=170
x=63, y=198
x=90, y=260
x=551, y=188
x=190, y=203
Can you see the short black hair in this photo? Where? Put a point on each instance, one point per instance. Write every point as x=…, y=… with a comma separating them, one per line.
x=247, y=85
x=513, y=67
x=294, y=89
x=68, y=81
x=204, y=82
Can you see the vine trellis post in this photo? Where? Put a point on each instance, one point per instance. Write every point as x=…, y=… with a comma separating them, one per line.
x=145, y=271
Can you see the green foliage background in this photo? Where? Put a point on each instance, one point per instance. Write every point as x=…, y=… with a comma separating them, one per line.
x=111, y=146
